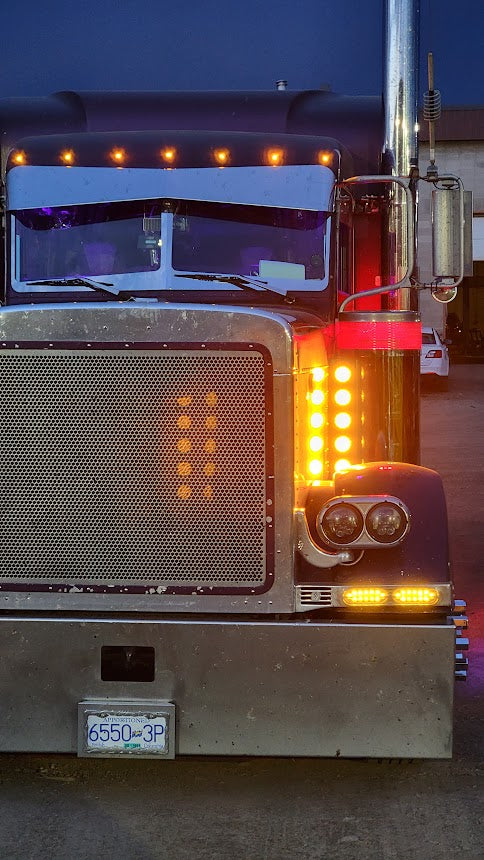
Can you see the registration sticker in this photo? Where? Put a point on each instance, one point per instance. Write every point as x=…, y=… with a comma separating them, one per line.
x=127, y=729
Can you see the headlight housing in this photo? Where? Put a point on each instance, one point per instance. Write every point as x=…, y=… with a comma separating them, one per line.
x=366, y=522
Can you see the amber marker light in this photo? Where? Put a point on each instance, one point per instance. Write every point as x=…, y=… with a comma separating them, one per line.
x=318, y=374
x=168, y=154
x=364, y=596
x=19, y=157
x=342, y=420
x=342, y=465
x=317, y=397
x=415, y=596
x=275, y=156
x=315, y=468
x=316, y=444
x=342, y=444
x=222, y=156
x=317, y=420
x=342, y=373
x=67, y=156
x=118, y=155
x=342, y=397
x=324, y=157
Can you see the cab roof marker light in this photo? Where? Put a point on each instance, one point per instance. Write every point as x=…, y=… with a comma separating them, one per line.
x=118, y=155
x=325, y=157
x=222, y=156
x=19, y=157
x=67, y=156
x=275, y=157
x=168, y=154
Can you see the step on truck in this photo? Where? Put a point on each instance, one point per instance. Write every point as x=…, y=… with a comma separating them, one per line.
x=216, y=537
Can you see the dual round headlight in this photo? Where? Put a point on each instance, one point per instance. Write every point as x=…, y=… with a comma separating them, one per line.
x=364, y=521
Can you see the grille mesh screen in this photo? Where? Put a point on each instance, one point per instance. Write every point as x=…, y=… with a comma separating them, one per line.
x=133, y=468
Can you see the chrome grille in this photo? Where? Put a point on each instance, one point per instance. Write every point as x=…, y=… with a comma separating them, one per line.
x=135, y=468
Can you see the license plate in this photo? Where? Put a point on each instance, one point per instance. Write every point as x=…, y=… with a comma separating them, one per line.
x=121, y=730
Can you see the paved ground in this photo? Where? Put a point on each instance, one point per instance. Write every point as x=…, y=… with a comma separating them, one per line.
x=264, y=809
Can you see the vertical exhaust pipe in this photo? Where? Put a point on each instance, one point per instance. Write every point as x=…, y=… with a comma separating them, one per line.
x=400, y=152
x=400, y=84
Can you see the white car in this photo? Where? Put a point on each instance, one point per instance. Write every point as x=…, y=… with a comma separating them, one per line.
x=434, y=356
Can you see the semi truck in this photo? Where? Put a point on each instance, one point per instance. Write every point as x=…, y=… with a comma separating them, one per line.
x=216, y=535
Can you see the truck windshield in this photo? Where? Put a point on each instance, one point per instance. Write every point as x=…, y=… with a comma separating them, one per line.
x=176, y=236
x=92, y=240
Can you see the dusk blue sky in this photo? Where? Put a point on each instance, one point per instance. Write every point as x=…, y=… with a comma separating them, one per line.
x=50, y=45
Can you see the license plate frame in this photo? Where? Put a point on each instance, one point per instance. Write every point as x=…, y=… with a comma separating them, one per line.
x=150, y=725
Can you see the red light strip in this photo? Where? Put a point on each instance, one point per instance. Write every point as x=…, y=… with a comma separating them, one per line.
x=376, y=334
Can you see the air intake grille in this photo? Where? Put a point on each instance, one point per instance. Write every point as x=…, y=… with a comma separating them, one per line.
x=135, y=469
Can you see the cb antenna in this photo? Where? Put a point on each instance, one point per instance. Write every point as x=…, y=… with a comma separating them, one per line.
x=431, y=113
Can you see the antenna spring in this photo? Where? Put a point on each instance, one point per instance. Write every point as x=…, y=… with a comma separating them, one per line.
x=431, y=105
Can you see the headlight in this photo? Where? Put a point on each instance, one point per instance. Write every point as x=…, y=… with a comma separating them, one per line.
x=341, y=524
x=386, y=523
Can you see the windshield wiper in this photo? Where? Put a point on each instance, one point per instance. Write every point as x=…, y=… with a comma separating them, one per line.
x=102, y=286
x=237, y=280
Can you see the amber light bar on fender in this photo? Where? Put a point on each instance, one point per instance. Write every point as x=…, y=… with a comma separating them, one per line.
x=411, y=597
x=375, y=598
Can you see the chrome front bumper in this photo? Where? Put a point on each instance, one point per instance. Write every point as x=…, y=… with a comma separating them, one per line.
x=297, y=688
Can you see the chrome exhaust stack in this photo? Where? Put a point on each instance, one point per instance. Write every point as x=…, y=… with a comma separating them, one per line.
x=400, y=151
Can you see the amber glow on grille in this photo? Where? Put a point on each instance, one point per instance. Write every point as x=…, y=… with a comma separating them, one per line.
x=184, y=469
x=342, y=397
x=184, y=492
x=364, y=596
x=416, y=596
